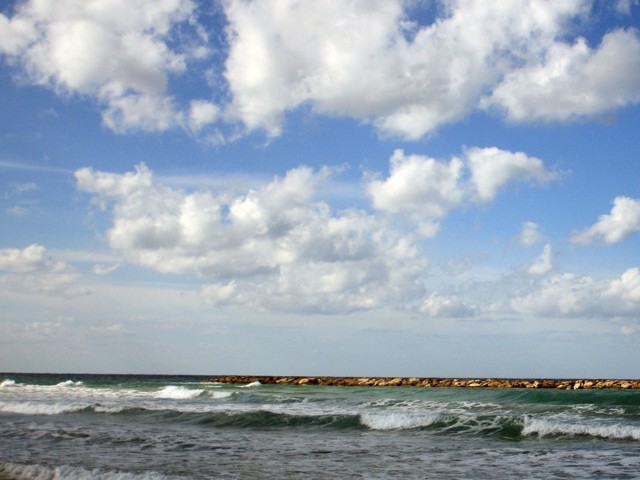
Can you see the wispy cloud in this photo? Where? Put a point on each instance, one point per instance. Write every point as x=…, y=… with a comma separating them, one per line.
x=11, y=165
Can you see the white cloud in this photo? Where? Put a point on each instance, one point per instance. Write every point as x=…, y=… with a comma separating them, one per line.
x=103, y=270
x=627, y=288
x=426, y=189
x=20, y=188
x=570, y=295
x=408, y=79
x=17, y=211
x=201, y=114
x=28, y=260
x=277, y=247
x=621, y=223
x=141, y=112
x=363, y=59
x=116, y=51
x=543, y=264
x=530, y=234
x=624, y=6
x=22, y=207
x=33, y=270
x=491, y=168
x=438, y=305
x=273, y=248
x=562, y=295
x=573, y=81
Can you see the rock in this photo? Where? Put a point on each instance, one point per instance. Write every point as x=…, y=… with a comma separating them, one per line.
x=575, y=384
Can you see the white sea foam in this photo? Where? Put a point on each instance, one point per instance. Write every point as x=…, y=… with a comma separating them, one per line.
x=545, y=427
x=42, y=472
x=177, y=393
x=69, y=383
x=397, y=420
x=252, y=384
x=220, y=395
x=7, y=383
x=36, y=408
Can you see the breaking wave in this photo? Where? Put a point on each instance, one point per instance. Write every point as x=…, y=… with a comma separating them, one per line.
x=252, y=384
x=503, y=414
x=178, y=393
x=398, y=420
x=38, y=408
x=69, y=383
x=546, y=427
x=44, y=472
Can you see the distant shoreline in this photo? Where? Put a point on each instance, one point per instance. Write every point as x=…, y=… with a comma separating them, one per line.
x=558, y=384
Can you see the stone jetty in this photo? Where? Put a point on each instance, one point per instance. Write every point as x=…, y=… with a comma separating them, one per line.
x=560, y=384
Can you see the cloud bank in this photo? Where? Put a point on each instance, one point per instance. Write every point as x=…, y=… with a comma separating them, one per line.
x=278, y=248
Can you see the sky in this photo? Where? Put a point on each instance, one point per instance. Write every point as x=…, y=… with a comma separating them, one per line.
x=350, y=187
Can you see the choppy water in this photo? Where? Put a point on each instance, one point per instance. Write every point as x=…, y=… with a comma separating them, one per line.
x=143, y=427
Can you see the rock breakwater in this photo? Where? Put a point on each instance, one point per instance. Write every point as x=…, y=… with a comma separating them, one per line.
x=561, y=384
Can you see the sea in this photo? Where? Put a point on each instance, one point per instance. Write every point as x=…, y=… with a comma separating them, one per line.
x=130, y=427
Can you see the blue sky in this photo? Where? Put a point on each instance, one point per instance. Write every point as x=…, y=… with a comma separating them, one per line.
x=428, y=188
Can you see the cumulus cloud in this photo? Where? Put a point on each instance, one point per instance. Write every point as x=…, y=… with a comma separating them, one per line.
x=28, y=260
x=363, y=59
x=530, y=234
x=573, y=81
x=33, y=270
x=273, y=248
x=491, y=168
x=543, y=264
x=627, y=287
x=277, y=247
x=115, y=51
x=407, y=79
x=570, y=295
x=621, y=223
x=447, y=306
x=201, y=114
x=426, y=189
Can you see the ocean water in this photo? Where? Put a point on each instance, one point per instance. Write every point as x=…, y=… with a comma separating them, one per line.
x=163, y=427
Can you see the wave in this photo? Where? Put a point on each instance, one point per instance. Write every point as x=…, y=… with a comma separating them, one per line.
x=220, y=395
x=252, y=384
x=36, y=408
x=178, y=393
x=398, y=420
x=546, y=427
x=69, y=383
x=439, y=423
x=44, y=472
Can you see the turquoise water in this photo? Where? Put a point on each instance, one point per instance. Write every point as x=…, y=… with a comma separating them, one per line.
x=158, y=427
